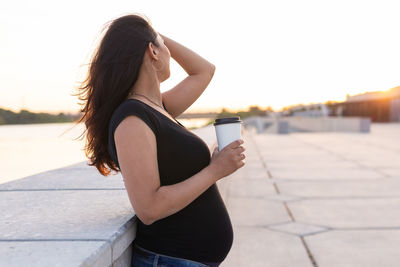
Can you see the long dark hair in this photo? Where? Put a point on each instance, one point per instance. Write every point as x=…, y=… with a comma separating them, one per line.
x=113, y=70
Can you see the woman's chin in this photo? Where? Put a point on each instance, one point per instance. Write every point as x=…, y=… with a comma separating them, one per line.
x=166, y=77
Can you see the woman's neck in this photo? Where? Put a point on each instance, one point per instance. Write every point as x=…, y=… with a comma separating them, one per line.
x=149, y=86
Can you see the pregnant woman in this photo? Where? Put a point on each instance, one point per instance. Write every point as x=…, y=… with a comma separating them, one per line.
x=168, y=171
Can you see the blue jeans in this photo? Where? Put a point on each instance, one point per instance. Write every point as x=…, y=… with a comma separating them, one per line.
x=144, y=258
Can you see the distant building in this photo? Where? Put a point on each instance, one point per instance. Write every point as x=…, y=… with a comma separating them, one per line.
x=312, y=110
x=379, y=106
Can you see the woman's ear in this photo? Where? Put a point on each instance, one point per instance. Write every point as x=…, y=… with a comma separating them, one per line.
x=152, y=51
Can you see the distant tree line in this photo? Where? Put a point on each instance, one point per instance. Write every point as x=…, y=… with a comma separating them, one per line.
x=27, y=117
x=252, y=111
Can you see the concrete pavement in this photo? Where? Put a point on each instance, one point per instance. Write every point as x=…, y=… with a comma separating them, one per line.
x=317, y=199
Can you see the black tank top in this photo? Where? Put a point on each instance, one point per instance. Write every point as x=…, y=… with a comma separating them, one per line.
x=201, y=231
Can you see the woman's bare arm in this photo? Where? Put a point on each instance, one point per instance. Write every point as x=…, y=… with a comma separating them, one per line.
x=137, y=155
x=200, y=72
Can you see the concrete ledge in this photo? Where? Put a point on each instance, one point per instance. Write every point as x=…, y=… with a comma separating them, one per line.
x=284, y=125
x=329, y=124
x=71, y=216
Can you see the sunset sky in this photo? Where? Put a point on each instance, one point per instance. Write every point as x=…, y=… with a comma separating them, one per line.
x=267, y=53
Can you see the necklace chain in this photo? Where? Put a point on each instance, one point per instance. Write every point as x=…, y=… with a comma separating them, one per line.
x=153, y=103
x=147, y=99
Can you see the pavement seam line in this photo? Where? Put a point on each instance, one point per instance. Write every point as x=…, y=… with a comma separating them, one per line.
x=310, y=256
x=289, y=211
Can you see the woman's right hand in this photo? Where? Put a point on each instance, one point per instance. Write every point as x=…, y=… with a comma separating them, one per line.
x=227, y=160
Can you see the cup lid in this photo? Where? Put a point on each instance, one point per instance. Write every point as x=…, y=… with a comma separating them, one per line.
x=227, y=120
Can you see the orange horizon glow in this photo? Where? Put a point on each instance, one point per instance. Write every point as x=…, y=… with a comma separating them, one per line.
x=199, y=109
x=45, y=54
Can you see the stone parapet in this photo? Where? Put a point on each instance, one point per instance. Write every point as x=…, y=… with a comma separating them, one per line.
x=71, y=216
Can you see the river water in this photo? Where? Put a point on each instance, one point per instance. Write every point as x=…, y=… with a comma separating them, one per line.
x=32, y=148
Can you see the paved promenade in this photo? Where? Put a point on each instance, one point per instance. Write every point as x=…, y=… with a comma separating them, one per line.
x=317, y=199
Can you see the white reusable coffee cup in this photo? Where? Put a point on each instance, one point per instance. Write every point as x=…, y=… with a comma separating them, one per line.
x=227, y=131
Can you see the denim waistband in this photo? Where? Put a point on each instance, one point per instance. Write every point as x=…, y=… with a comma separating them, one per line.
x=147, y=253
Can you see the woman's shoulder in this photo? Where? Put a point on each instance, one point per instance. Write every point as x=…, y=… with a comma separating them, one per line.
x=130, y=107
x=129, y=104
